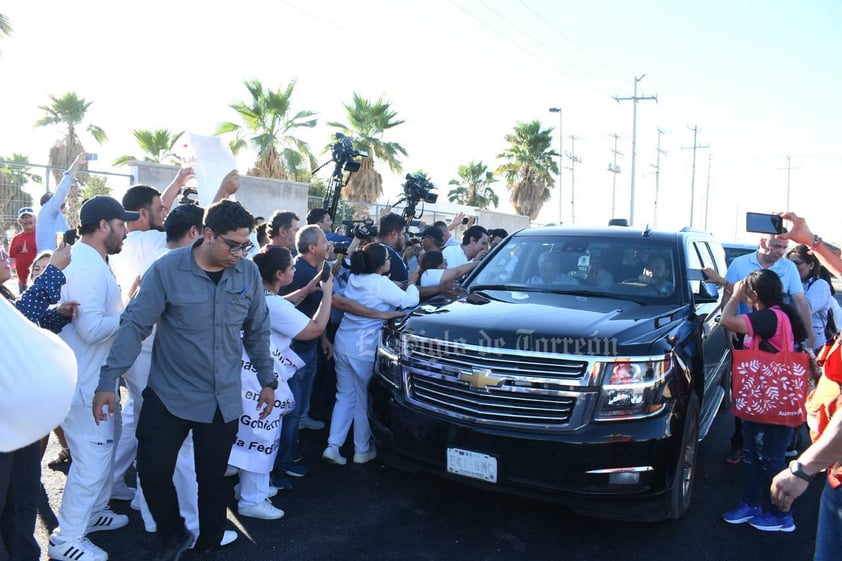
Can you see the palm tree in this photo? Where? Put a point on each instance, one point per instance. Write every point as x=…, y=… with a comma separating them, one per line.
x=529, y=168
x=158, y=145
x=367, y=123
x=473, y=188
x=68, y=110
x=14, y=174
x=267, y=125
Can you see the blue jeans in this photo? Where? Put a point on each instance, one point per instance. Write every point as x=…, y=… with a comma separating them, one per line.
x=829, y=531
x=302, y=386
x=764, y=451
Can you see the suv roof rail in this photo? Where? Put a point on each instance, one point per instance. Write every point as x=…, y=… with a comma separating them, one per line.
x=618, y=222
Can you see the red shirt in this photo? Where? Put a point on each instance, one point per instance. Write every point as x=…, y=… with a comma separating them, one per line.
x=23, y=251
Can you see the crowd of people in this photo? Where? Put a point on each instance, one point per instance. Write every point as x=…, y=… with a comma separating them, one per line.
x=227, y=334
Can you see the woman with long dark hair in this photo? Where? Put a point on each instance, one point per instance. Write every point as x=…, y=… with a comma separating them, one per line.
x=286, y=323
x=356, y=342
x=818, y=290
x=764, y=445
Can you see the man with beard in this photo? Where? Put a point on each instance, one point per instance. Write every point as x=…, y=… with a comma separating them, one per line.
x=390, y=234
x=84, y=507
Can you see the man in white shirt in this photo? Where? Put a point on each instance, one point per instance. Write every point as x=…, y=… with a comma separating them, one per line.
x=84, y=507
x=474, y=247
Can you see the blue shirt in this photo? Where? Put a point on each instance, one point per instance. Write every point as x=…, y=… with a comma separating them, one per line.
x=50, y=219
x=785, y=269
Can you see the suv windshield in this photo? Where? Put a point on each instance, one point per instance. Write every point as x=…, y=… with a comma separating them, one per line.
x=639, y=267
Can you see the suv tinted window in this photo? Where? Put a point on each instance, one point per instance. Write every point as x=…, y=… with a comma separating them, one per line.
x=637, y=267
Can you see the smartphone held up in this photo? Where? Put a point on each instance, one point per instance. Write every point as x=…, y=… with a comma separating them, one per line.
x=761, y=223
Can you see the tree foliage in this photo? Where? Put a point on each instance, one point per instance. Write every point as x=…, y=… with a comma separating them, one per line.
x=158, y=146
x=14, y=175
x=473, y=188
x=367, y=124
x=268, y=125
x=68, y=110
x=529, y=167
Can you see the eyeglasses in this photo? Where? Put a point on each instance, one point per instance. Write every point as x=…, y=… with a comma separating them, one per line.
x=235, y=248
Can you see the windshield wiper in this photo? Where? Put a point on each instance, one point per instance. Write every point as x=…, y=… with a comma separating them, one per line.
x=479, y=287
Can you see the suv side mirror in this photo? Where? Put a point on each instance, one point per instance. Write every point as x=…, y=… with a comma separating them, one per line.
x=704, y=292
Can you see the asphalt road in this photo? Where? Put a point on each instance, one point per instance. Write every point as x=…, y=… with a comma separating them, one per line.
x=373, y=512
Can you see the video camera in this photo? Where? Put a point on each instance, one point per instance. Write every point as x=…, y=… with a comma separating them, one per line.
x=360, y=229
x=419, y=188
x=343, y=153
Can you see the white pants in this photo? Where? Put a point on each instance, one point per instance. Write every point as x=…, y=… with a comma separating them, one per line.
x=254, y=488
x=136, y=378
x=352, y=377
x=88, y=485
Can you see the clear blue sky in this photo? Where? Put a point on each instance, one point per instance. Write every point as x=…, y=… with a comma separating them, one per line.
x=759, y=79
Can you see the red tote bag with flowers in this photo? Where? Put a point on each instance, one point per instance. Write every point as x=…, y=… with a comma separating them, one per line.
x=768, y=387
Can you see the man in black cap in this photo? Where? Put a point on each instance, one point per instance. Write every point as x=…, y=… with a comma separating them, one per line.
x=84, y=507
x=432, y=238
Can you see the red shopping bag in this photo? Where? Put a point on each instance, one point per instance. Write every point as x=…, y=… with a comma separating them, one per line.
x=770, y=387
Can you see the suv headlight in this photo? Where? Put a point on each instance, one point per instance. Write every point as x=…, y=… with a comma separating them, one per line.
x=632, y=388
x=387, y=363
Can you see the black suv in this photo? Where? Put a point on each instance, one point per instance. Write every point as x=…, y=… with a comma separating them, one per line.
x=580, y=365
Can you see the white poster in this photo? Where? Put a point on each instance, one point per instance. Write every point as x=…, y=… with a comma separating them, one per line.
x=214, y=160
x=257, y=439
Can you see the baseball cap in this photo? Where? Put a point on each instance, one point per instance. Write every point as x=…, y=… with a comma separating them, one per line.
x=434, y=232
x=26, y=210
x=104, y=208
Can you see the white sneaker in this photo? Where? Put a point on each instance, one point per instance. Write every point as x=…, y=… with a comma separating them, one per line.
x=106, y=519
x=74, y=550
x=264, y=510
x=272, y=492
x=363, y=457
x=135, y=504
x=332, y=456
x=310, y=424
x=228, y=537
x=122, y=493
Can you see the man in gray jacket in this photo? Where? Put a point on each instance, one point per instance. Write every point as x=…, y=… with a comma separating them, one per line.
x=201, y=297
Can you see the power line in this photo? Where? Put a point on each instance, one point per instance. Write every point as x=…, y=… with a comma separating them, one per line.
x=614, y=169
x=696, y=146
x=634, y=99
x=657, y=166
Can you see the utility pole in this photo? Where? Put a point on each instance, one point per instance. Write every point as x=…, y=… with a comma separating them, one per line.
x=634, y=99
x=560, y=164
x=707, y=196
x=788, y=169
x=657, y=166
x=695, y=148
x=614, y=169
x=574, y=159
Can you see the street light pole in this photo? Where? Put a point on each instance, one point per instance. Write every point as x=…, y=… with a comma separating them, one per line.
x=560, y=165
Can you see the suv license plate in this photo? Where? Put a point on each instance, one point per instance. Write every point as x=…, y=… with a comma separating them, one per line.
x=472, y=464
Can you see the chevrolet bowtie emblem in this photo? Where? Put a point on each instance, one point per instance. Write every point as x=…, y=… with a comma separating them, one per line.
x=480, y=378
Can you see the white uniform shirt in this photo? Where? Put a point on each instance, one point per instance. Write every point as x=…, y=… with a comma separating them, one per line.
x=91, y=283
x=359, y=336
x=454, y=256
x=140, y=249
x=431, y=277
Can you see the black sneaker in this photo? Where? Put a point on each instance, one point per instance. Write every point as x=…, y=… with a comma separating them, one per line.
x=176, y=544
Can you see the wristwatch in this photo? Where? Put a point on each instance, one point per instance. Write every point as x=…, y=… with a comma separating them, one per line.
x=797, y=469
